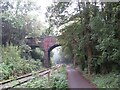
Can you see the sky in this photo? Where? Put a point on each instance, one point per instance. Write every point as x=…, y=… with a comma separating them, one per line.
x=44, y=4
x=56, y=54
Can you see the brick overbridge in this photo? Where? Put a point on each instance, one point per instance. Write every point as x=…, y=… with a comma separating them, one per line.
x=46, y=43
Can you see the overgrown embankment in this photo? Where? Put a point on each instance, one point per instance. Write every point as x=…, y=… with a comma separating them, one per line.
x=12, y=65
x=57, y=80
x=110, y=80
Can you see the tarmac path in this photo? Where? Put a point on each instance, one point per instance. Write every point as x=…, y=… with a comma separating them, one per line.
x=77, y=81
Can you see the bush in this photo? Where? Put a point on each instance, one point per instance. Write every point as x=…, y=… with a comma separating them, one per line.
x=13, y=65
x=111, y=80
x=57, y=81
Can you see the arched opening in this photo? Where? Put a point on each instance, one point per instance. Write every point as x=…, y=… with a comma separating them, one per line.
x=50, y=49
x=37, y=53
x=34, y=52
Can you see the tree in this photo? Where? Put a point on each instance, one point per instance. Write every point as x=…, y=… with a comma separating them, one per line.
x=18, y=22
x=92, y=36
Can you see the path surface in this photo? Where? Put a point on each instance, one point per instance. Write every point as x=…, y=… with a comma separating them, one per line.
x=76, y=80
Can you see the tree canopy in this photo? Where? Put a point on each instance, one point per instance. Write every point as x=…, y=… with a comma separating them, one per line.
x=19, y=19
x=90, y=31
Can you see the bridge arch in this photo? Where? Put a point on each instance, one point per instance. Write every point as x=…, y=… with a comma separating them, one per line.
x=47, y=44
x=51, y=48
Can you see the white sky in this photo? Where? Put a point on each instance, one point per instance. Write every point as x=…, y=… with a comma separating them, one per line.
x=56, y=53
x=44, y=4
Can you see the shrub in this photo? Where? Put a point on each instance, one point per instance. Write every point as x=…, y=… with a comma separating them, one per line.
x=13, y=65
x=57, y=81
x=110, y=80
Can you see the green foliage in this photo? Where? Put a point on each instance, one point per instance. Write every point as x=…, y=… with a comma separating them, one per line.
x=13, y=65
x=93, y=38
x=111, y=80
x=57, y=81
x=106, y=45
x=57, y=8
x=18, y=21
x=97, y=30
x=38, y=83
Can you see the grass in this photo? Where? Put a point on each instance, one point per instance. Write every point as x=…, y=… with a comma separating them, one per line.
x=110, y=80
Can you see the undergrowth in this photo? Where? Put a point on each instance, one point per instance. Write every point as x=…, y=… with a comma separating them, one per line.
x=57, y=81
x=12, y=65
x=111, y=80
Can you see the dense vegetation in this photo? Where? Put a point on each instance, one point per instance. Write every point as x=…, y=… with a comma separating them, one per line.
x=18, y=23
x=89, y=32
x=12, y=65
x=111, y=80
x=57, y=81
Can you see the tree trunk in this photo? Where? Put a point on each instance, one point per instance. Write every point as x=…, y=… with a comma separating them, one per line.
x=89, y=59
x=74, y=63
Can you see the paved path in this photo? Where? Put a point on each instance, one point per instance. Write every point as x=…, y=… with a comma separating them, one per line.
x=76, y=80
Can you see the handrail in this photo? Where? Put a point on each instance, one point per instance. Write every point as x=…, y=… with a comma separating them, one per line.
x=25, y=78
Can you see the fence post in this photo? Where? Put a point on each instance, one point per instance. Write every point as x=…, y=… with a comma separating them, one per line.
x=49, y=77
